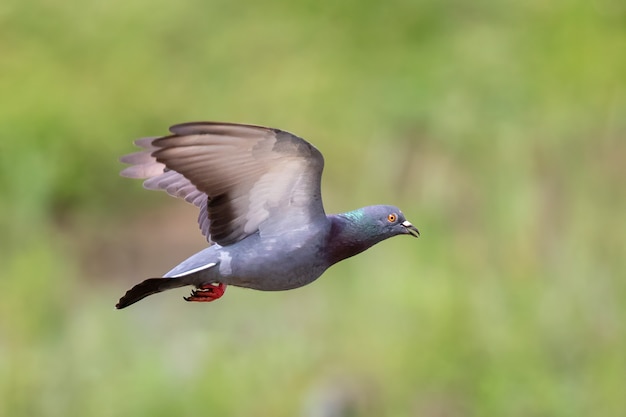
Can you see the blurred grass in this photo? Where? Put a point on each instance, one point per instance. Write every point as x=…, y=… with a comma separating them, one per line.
x=497, y=126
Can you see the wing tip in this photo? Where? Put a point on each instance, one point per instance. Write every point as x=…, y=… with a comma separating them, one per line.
x=143, y=171
x=145, y=142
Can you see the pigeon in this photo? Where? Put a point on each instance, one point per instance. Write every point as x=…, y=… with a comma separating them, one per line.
x=258, y=191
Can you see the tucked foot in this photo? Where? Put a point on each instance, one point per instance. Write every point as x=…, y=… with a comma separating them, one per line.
x=207, y=293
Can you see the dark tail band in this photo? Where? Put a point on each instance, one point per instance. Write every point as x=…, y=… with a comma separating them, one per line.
x=146, y=288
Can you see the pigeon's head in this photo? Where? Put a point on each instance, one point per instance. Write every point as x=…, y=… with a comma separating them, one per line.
x=355, y=231
x=389, y=221
x=382, y=222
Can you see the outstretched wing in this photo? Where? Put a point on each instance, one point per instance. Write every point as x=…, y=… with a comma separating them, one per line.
x=243, y=178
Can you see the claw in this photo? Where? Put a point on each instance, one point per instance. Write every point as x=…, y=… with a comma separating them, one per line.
x=207, y=293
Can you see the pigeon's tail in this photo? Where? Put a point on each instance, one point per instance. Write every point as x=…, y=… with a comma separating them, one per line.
x=149, y=287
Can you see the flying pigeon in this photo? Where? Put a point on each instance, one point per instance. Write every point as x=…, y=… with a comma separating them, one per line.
x=258, y=191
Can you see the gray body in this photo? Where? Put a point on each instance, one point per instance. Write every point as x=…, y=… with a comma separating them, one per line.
x=253, y=262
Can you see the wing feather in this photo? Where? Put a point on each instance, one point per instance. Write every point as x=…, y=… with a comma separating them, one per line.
x=244, y=178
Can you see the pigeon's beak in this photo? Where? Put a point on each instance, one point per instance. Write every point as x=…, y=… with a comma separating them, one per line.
x=410, y=229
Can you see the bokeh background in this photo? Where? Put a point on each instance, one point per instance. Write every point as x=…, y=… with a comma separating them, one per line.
x=498, y=126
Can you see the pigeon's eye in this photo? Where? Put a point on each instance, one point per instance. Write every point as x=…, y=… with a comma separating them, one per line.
x=391, y=218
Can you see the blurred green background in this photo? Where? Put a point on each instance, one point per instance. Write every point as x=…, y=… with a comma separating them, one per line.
x=499, y=127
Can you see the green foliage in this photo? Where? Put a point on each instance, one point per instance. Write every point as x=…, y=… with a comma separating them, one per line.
x=498, y=127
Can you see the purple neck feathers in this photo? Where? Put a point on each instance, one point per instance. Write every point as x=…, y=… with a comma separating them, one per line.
x=347, y=237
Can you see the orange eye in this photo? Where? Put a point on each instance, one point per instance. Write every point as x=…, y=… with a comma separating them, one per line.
x=392, y=217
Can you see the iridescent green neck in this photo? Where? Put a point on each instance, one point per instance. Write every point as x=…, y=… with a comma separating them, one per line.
x=350, y=234
x=355, y=216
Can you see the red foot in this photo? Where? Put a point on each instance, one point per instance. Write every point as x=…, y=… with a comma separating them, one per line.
x=207, y=292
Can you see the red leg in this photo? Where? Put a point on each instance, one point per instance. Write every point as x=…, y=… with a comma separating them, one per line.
x=207, y=293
